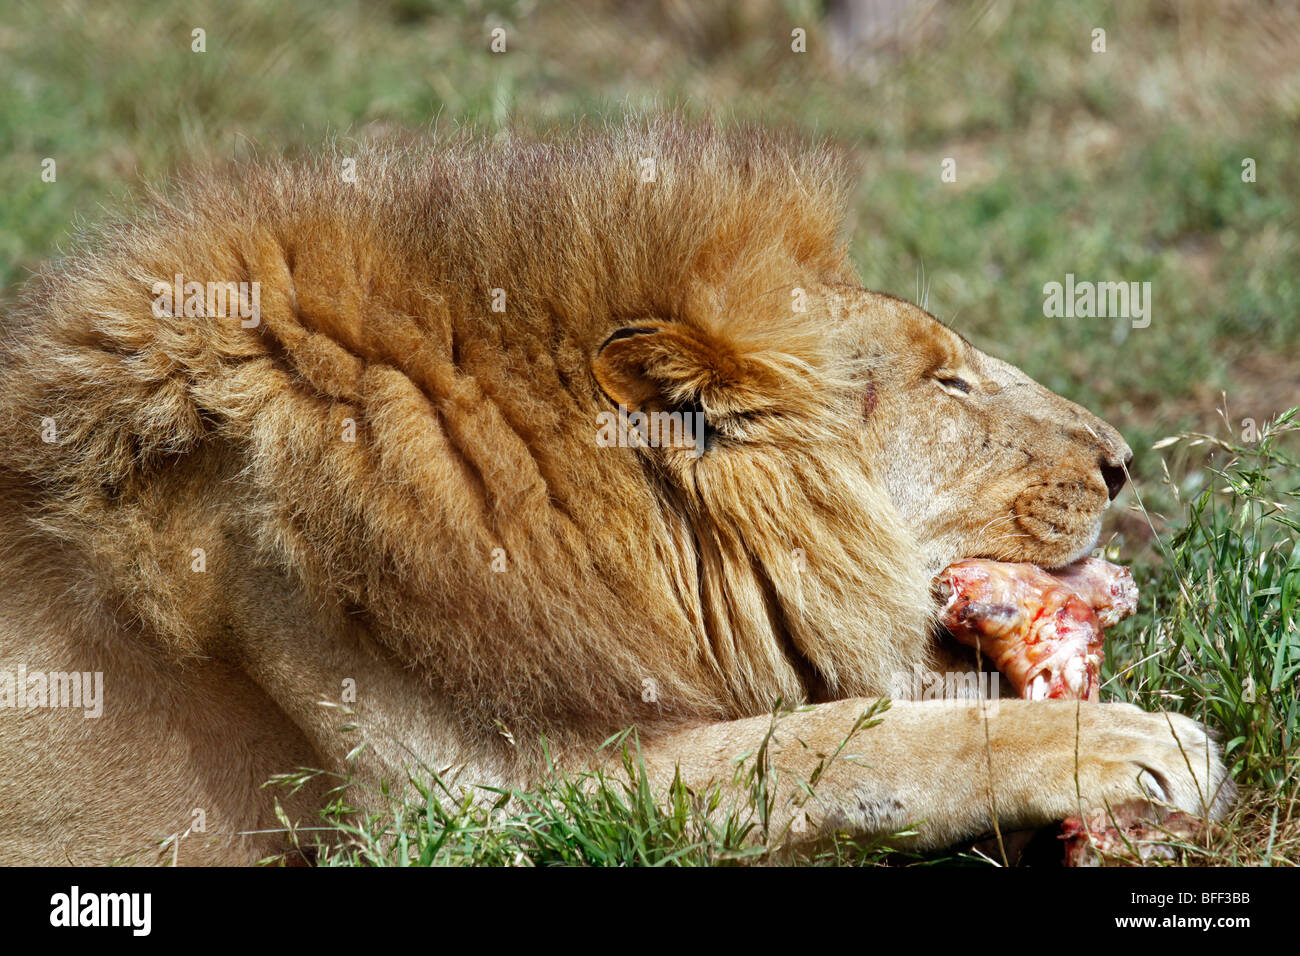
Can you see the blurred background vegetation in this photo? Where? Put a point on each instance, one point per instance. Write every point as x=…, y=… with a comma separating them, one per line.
x=1123, y=165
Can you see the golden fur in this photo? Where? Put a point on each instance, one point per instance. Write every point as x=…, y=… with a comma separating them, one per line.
x=394, y=484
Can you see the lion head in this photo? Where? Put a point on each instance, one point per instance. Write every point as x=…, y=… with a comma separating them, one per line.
x=973, y=457
x=979, y=459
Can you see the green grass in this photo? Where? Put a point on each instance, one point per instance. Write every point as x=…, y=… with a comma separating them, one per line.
x=1219, y=636
x=588, y=819
x=1117, y=166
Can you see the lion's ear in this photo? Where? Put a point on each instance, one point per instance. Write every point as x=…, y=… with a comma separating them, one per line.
x=666, y=366
x=623, y=368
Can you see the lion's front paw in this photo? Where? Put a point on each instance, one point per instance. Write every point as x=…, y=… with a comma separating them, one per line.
x=1166, y=761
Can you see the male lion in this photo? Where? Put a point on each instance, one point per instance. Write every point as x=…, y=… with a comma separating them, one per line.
x=389, y=479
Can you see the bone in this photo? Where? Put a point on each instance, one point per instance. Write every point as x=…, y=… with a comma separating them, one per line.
x=1043, y=631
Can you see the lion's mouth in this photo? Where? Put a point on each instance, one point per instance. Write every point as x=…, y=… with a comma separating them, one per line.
x=1044, y=630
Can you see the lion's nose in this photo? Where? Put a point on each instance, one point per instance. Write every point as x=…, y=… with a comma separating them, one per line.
x=1114, y=473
